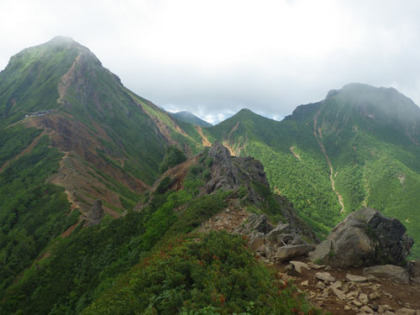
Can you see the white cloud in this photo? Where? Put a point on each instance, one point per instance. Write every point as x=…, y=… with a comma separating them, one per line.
x=214, y=56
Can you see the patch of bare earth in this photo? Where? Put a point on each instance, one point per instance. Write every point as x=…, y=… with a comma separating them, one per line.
x=229, y=220
x=70, y=230
x=295, y=154
x=204, y=141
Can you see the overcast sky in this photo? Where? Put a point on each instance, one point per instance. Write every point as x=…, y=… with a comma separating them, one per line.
x=214, y=57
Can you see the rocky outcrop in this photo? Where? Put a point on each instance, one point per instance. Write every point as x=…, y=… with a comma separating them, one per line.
x=231, y=173
x=275, y=243
x=95, y=214
x=246, y=176
x=364, y=238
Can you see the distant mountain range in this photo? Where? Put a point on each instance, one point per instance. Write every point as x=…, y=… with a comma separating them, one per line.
x=78, y=150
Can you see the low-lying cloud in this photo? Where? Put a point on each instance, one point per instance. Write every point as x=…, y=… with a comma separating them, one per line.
x=215, y=57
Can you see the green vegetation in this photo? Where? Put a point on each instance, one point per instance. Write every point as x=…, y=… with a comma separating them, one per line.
x=215, y=275
x=148, y=261
x=32, y=212
x=173, y=157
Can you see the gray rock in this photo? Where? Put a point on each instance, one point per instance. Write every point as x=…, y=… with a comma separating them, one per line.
x=299, y=266
x=256, y=223
x=279, y=230
x=315, y=266
x=391, y=272
x=291, y=251
x=324, y=276
x=405, y=311
x=414, y=271
x=355, y=278
x=364, y=238
x=363, y=298
x=320, y=285
x=95, y=214
x=366, y=309
x=321, y=252
x=335, y=287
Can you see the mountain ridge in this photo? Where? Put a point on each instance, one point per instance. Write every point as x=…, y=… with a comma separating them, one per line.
x=85, y=155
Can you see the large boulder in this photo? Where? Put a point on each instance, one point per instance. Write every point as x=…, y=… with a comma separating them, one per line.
x=391, y=272
x=365, y=238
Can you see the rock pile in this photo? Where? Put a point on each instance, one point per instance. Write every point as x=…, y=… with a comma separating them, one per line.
x=356, y=294
x=274, y=243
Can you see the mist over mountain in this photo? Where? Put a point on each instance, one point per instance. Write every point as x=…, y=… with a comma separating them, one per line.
x=190, y=118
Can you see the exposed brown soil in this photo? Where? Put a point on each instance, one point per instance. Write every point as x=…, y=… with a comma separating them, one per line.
x=177, y=173
x=296, y=155
x=70, y=229
x=204, y=141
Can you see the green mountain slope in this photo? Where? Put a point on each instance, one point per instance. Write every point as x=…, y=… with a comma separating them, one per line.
x=70, y=134
x=156, y=261
x=358, y=147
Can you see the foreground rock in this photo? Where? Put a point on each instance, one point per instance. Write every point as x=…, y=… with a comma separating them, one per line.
x=414, y=270
x=364, y=238
x=390, y=272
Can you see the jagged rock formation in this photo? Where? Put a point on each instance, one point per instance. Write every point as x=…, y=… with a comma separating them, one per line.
x=365, y=238
x=229, y=173
x=275, y=243
x=246, y=173
x=95, y=214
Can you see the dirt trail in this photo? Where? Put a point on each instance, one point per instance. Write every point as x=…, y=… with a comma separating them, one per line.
x=66, y=80
x=318, y=135
x=295, y=154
